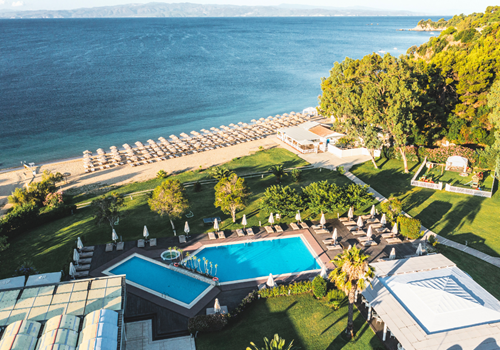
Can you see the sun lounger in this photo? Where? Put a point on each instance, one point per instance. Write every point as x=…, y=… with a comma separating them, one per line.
x=387, y=235
x=278, y=228
x=140, y=243
x=182, y=239
x=109, y=247
x=304, y=225
x=376, y=225
x=221, y=234
x=85, y=261
x=211, y=235
x=329, y=241
x=269, y=229
x=152, y=242
x=240, y=232
x=81, y=274
x=88, y=249
x=343, y=219
x=334, y=247
x=382, y=230
x=393, y=240
x=349, y=223
x=250, y=232
x=366, y=217
x=351, y=228
x=362, y=239
x=374, y=220
x=86, y=255
x=359, y=233
x=321, y=231
x=119, y=246
x=316, y=227
x=294, y=226
x=82, y=267
x=368, y=243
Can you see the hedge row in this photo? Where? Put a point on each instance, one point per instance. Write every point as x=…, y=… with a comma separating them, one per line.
x=435, y=155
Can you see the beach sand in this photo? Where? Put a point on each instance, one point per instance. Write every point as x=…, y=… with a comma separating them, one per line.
x=127, y=174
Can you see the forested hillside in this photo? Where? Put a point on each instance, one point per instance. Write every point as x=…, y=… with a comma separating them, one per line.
x=450, y=80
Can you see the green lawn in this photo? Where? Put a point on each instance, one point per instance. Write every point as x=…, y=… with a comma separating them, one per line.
x=453, y=178
x=309, y=322
x=458, y=217
x=50, y=246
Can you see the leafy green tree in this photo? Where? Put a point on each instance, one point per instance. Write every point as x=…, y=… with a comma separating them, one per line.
x=107, y=208
x=296, y=173
x=356, y=196
x=283, y=200
x=351, y=275
x=494, y=104
x=323, y=197
x=52, y=178
x=231, y=194
x=409, y=227
x=219, y=172
x=319, y=287
x=277, y=343
x=161, y=174
x=278, y=171
x=392, y=208
x=169, y=199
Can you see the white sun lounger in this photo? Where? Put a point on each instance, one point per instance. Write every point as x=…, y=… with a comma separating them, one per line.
x=211, y=235
x=294, y=226
x=304, y=225
x=269, y=229
x=221, y=234
x=240, y=232
x=278, y=228
x=250, y=232
x=182, y=239
x=140, y=243
x=119, y=246
x=321, y=231
x=109, y=247
x=333, y=247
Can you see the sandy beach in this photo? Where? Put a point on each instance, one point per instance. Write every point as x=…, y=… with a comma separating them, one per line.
x=127, y=174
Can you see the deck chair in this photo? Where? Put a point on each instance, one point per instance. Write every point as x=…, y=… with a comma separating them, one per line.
x=120, y=245
x=81, y=274
x=304, y=225
x=387, y=235
x=329, y=241
x=140, y=243
x=182, y=239
x=88, y=249
x=393, y=240
x=294, y=226
x=278, y=228
x=211, y=235
x=240, y=232
x=109, y=247
x=359, y=233
x=82, y=267
x=152, y=242
x=86, y=254
x=250, y=232
x=269, y=229
x=333, y=247
x=343, y=219
x=321, y=231
x=221, y=234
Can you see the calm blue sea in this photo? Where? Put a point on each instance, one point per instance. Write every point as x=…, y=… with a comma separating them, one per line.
x=76, y=84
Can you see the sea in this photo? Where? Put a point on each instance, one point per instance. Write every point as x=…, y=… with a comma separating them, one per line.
x=68, y=85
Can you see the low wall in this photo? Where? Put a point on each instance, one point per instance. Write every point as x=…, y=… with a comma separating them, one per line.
x=433, y=186
x=342, y=153
x=468, y=191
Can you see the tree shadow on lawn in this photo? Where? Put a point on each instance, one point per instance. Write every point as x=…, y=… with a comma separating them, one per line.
x=360, y=327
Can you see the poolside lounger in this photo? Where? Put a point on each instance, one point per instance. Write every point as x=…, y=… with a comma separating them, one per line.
x=278, y=228
x=362, y=239
x=376, y=225
x=321, y=231
x=351, y=228
x=333, y=247
x=343, y=219
x=393, y=240
x=269, y=229
x=349, y=223
x=368, y=243
x=366, y=217
x=250, y=232
x=382, y=230
x=240, y=232
x=119, y=246
x=81, y=274
x=86, y=254
x=85, y=261
x=152, y=242
x=304, y=225
x=316, y=227
x=329, y=241
x=294, y=226
x=359, y=233
x=182, y=239
x=88, y=249
x=387, y=235
x=211, y=235
x=140, y=243
x=221, y=234
x=374, y=220
x=109, y=247
x=82, y=267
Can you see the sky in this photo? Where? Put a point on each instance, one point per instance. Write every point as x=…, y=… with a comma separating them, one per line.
x=437, y=7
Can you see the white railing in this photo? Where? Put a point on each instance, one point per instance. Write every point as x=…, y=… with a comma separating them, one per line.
x=468, y=191
x=341, y=153
x=433, y=186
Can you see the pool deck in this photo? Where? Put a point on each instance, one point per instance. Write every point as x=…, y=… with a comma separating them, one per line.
x=170, y=319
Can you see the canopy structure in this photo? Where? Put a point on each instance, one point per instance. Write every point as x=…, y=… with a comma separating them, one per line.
x=455, y=162
x=46, y=278
x=308, y=137
x=12, y=282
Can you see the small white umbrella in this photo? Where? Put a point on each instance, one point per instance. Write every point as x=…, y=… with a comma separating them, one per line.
x=270, y=281
x=217, y=308
x=383, y=221
x=72, y=269
x=79, y=243
x=419, y=249
x=114, y=236
x=76, y=256
x=334, y=236
x=360, y=222
x=271, y=219
x=322, y=221
x=350, y=213
x=395, y=228
x=145, y=232
x=297, y=216
x=216, y=225
x=323, y=272
x=244, y=220
x=186, y=228
x=372, y=212
x=392, y=256
x=369, y=233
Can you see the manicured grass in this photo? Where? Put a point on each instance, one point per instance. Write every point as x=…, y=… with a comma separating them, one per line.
x=310, y=323
x=459, y=217
x=453, y=178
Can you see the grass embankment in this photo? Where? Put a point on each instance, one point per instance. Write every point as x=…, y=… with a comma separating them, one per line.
x=459, y=217
x=50, y=246
x=309, y=322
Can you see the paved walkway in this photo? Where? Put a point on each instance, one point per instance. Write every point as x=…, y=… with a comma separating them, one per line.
x=139, y=337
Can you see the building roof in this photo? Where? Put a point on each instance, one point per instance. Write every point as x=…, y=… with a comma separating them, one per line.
x=13, y=282
x=429, y=303
x=46, y=278
x=309, y=132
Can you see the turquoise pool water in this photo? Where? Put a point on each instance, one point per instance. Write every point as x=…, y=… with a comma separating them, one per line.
x=260, y=258
x=161, y=279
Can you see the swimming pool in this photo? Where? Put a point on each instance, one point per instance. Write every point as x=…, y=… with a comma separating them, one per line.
x=237, y=262
x=184, y=289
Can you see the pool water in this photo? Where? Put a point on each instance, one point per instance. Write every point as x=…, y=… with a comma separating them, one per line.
x=161, y=279
x=256, y=259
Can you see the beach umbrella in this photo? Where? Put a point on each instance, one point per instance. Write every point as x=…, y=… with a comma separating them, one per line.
x=72, y=269
x=350, y=213
x=360, y=222
x=297, y=216
x=76, y=256
x=323, y=272
x=244, y=220
x=271, y=219
x=372, y=212
x=383, y=221
x=217, y=308
x=145, y=232
x=216, y=225
x=270, y=281
x=419, y=249
x=114, y=236
x=323, y=220
x=79, y=244
x=369, y=233
x=392, y=256
x=186, y=228
x=395, y=228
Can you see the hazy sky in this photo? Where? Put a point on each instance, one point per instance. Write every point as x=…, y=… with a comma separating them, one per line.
x=427, y=6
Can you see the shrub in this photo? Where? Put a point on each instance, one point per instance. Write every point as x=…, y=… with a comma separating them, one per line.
x=319, y=287
x=286, y=290
x=433, y=241
x=54, y=199
x=207, y=323
x=340, y=170
x=296, y=174
x=244, y=303
x=26, y=269
x=162, y=174
x=392, y=209
x=409, y=227
x=335, y=298
x=197, y=186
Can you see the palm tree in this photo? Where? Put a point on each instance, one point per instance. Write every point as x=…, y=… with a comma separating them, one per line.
x=277, y=343
x=351, y=275
x=278, y=171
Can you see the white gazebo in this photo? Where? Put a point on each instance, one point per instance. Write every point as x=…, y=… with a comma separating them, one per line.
x=457, y=162
x=308, y=137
